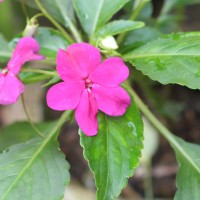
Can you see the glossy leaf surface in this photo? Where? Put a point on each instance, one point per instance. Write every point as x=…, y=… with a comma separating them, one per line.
x=188, y=177
x=173, y=58
x=94, y=14
x=50, y=41
x=23, y=132
x=59, y=9
x=34, y=169
x=114, y=152
x=118, y=26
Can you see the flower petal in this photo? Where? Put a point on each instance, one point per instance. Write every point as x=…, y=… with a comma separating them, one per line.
x=112, y=101
x=26, y=50
x=10, y=88
x=65, y=96
x=86, y=114
x=65, y=67
x=110, y=72
x=78, y=61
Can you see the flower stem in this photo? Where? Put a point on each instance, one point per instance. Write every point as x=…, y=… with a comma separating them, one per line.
x=29, y=118
x=24, y=8
x=138, y=9
x=54, y=22
x=75, y=32
x=40, y=71
x=135, y=13
x=73, y=28
x=37, y=16
x=64, y=117
x=156, y=123
x=148, y=185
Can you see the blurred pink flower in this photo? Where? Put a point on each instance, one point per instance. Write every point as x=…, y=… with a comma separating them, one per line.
x=10, y=86
x=89, y=85
x=1, y=1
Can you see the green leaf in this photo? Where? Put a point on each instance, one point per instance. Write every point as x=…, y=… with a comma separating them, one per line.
x=50, y=41
x=188, y=177
x=113, y=154
x=31, y=77
x=28, y=75
x=173, y=58
x=35, y=169
x=61, y=10
x=21, y=132
x=118, y=26
x=137, y=38
x=5, y=52
x=94, y=14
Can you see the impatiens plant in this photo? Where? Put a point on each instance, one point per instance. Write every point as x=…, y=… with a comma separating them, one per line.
x=93, y=57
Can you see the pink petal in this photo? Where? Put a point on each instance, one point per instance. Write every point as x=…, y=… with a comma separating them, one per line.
x=78, y=61
x=112, y=101
x=110, y=72
x=65, y=67
x=65, y=96
x=86, y=114
x=10, y=88
x=26, y=50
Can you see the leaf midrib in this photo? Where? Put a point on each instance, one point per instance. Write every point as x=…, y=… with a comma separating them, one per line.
x=107, y=145
x=184, y=154
x=131, y=27
x=97, y=17
x=135, y=56
x=27, y=165
x=43, y=145
x=64, y=14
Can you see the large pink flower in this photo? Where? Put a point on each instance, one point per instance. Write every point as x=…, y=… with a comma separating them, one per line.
x=10, y=86
x=89, y=85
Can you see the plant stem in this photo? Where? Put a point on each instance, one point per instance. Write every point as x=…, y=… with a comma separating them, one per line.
x=74, y=31
x=64, y=117
x=48, y=61
x=40, y=71
x=172, y=139
x=73, y=28
x=134, y=15
x=138, y=9
x=60, y=122
x=156, y=123
x=24, y=8
x=148, y=185
x=54, y=22
x=37, y=16
x=29, y=118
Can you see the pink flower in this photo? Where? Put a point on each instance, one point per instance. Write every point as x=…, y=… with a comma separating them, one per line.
x=10, y=86
x=89, y=85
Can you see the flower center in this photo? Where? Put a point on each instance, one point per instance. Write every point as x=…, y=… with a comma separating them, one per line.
x=88, y=84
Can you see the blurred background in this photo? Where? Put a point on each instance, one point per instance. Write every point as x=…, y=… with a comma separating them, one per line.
x=176, y=106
